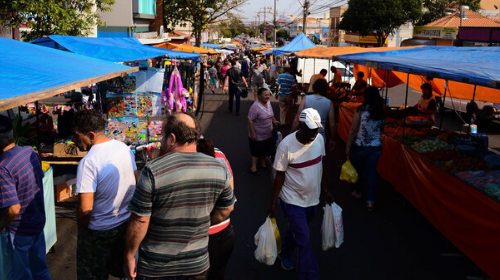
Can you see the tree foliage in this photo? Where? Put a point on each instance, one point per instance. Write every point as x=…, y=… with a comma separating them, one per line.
x=381, y=17
x=436, y=9
x=282, y=33
x=46, y=17
x=232, y=27
x=199, y=13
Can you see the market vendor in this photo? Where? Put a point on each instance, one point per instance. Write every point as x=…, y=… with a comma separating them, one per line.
x=360, y=85
x=427, y=105
x=337, y=77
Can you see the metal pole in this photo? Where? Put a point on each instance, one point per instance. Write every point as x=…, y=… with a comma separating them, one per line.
x=406, y=104
x=202, y=88
x=304, y=20
x=444, y=100
x=274, y=25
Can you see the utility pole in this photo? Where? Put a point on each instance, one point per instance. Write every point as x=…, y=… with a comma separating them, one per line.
x=274, y=25
x=306, y=13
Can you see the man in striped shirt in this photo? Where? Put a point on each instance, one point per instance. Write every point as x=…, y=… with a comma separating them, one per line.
x=177, y=197
x=22, y=211
x=287, y=95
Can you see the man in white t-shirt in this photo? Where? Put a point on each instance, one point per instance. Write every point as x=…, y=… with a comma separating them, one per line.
x=105, y=183
x=298, y=183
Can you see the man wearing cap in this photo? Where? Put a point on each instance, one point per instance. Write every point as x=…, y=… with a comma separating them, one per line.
x=298, y=184
x=22, y=211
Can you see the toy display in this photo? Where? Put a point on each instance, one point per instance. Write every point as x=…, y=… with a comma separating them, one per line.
x=155, y=131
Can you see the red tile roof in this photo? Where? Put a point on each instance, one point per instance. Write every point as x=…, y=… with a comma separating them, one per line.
x=473, y=20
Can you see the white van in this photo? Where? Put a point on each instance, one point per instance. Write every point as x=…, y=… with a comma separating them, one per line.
x=310, y=66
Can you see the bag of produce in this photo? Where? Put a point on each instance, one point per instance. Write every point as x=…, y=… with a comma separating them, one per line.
x=267, y=250
x=348, y=173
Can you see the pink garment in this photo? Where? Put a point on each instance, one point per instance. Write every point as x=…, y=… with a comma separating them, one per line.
x=262, y=119
x=223, y=70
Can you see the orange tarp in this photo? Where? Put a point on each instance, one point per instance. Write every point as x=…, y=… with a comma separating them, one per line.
x=379, y=76
x=328, y=53
x=185, y=48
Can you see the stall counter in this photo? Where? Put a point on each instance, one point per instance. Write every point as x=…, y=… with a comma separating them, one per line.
x=467, y=217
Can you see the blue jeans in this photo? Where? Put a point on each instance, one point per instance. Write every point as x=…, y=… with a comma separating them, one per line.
x=365, y=160
x=25, y=255
x=297, y=236
x=232, y=92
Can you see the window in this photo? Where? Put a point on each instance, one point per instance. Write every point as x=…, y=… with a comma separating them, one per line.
x=146, y=7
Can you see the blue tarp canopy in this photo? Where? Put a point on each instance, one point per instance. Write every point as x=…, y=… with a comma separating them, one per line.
x=116, y=49
x=207, y=45
x=473, y=65
x=29, y=72
x=299, y=43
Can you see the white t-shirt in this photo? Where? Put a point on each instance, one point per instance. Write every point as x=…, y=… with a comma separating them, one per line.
x=108, y=171
x=303, y=170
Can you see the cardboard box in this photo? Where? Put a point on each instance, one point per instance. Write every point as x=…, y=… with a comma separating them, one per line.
x=65, y=150
x=62, y=192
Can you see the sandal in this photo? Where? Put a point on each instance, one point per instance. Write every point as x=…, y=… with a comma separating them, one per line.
x=356, y=195
x=255, y=173
x=370, y=207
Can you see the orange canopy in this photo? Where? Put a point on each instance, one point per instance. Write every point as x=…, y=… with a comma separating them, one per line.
x=329, y=52
x=185, y=48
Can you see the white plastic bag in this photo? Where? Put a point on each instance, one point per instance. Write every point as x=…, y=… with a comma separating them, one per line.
x=327, y=228
x=339, y=225
x=266, y=251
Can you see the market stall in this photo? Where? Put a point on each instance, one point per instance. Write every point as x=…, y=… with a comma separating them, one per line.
x=30, y=73
x=451, y=178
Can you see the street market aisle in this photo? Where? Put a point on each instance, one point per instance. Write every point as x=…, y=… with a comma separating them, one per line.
x=394, y=242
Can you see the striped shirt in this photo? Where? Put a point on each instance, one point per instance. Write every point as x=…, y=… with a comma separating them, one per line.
x=178, y=191
x=286, y=82
x=21, y=183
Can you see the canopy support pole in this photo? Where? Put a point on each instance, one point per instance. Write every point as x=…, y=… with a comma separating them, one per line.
x=386, y=85
x=201, y=88
x=470, y=119
x=444, y=100
x=406, y=104
x=37, y=114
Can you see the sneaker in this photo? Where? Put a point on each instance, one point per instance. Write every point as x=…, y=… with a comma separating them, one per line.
x=286, y=264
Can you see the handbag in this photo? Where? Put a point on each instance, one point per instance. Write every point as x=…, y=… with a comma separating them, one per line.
x=244, y=93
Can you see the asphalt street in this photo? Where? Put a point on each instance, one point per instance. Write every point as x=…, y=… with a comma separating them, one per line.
x=394, y=242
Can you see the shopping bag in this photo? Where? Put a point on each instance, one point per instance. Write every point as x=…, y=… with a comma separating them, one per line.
x=348, y=173
x=267, y=250
x=277, y=235
x=327, y=228
x=339, y=224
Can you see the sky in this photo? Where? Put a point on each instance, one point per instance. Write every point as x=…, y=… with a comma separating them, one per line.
x=318, y=8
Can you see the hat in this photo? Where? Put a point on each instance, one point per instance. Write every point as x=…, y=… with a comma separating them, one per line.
x=5, y=124
x=245, y=56
x=311, y=118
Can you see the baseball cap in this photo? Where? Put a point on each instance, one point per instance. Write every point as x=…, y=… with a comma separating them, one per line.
x=5, y=124
x=311, y=118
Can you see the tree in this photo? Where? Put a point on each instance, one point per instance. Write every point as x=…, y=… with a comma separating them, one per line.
x=436, y=9
x=282, y=33
x=232, y=27
x=46, y=17
x=199, y=13
x=381, y=17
